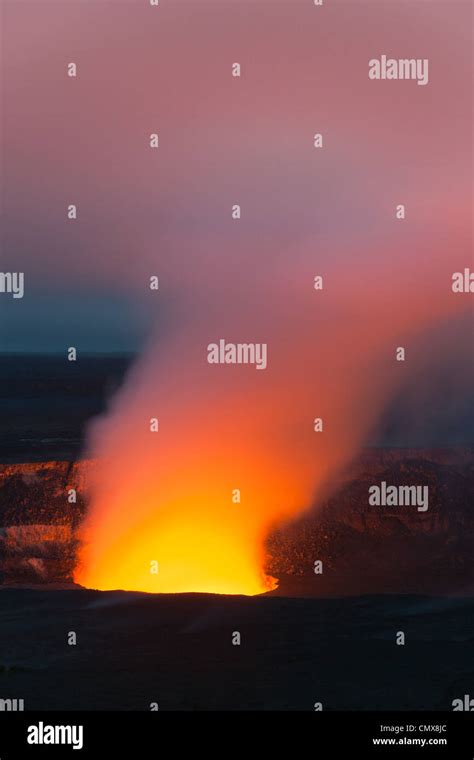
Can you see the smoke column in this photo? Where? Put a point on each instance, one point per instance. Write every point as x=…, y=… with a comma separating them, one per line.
x=167, y=497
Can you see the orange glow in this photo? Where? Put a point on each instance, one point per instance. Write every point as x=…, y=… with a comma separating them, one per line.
x=200, y=540
x=170, y=497
x=167, y=497
x=189, y=560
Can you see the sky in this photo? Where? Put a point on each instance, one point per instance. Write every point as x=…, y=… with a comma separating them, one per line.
x=223, y=141
x=246, y=140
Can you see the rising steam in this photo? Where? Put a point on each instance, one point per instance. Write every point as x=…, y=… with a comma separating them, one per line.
x=166, y=497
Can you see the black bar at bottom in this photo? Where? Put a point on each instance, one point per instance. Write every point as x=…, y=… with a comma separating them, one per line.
x=151, y=734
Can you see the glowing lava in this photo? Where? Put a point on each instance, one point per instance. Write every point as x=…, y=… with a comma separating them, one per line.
x=168, y=518
x=190, y=559
x=186, y=505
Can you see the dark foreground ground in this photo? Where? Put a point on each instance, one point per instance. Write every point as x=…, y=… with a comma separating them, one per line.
x=176, y=650
x=134, y=649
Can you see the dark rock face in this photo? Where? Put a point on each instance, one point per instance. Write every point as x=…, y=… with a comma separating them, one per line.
x=363, y=549
x=38, y=520
x=375, y=549
x=38, y=493
x=37, y=553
